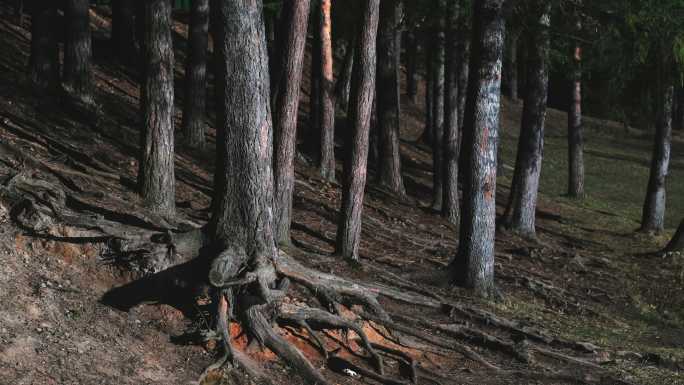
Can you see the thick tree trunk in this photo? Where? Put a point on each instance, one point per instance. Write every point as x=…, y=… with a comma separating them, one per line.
x=473, y=267
x=450, y=203
x=511, y=65
x=653, y=216
x=286, y=112
x=124, y=28
x=361, y=104
x=388, y=95
x=156, y=172
x=438, y=109
x=194, y=105
x=44, y=60
x=77, y=51
x=327, y=103
x=343, y=85
x=411, y=67
x=575, y=130
x=677, y=241
x=523, y=199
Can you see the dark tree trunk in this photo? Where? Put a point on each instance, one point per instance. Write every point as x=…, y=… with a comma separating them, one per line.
x=463, y=72
x=575, y=130
x=427, y=135
x=678, y=108
x=194, y=105
x=315, y=83
x=438, y=110
x=473, y=267
x=286, y=112
x=522, y=202
x=156, y=172
x=511, y=65
x=361, y=104
x=389, y=97
x=411, y=67
x=124, y=29
x=44, y=60
x=77, y=51
x=327, y=103
x=19, y=11
x=677, y=241
x=450, y=203
x=653, y=216
x=343, y=84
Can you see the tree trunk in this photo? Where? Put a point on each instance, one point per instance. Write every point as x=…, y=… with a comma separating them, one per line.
x=511, y=65
x=450, y=203
x=680, y=109
x=286, y=112
x=361, y=104
x=411, y=67
x=315, y=84
x=575, y=130
x=653, y=217
x=473, y=267
x=677, y=241
x=44, y=60
x=388, y=95
x=438, y=110
x=343, y=85
x=77, y=51
x=124, y=28
x=522, y=202
x=19, y=12
x=327, y=103
x=463, y=72
x=194, y=105
x=156, y=171
x=427, y=135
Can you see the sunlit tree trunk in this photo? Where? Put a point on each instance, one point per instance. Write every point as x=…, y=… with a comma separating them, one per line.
x=327, y=103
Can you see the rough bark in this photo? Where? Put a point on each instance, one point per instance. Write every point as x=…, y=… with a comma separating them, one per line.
x=156, y=167
x=511, y=65
x=411, y=66
x=327, y=103
x=355, y=167
x=124, y=28
x=388, y=95
x=473, y=266
x=77, y=51
x=286, y=112
x=438, y=109
x=194, y=104
x=653, y=215
x=44, y=60
x=522, y=202
x=450, y=203
x=575, y=130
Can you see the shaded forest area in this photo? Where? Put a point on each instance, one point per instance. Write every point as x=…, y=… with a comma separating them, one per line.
x=304, y=191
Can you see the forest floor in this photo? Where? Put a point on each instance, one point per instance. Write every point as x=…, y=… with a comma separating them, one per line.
x=589, y=301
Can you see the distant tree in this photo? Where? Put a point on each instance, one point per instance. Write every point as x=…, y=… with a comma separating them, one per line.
x=473, y=266
x=429, y=56
x=389, y=96
x=44, y=60
x=77, y=51
x=124, y=29
x=438, y=106
x=511, y=64
x=194, y=103
x=361, y=103
x=522, y=202
x=450, y=202
x=411, y=65
x=327, y=94
x=575, y=129
x=343, y=84
x=296, y=12
x=156, y=168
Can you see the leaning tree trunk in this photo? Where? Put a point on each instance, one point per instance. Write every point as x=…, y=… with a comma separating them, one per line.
x=327, y=94
x=44, y=60
x=156, y=167
x=356, y=162
x=77, y=51
x=511, y=64
x=124, y=30
x=438, y=109
x=677, y=241
x=473, y=267
x=411, y=66
x=450, y=204
x=286, y=112
x=523, y=199
x=194, y=105
x=388, y=95
x=575, y=130
x=653, y=216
